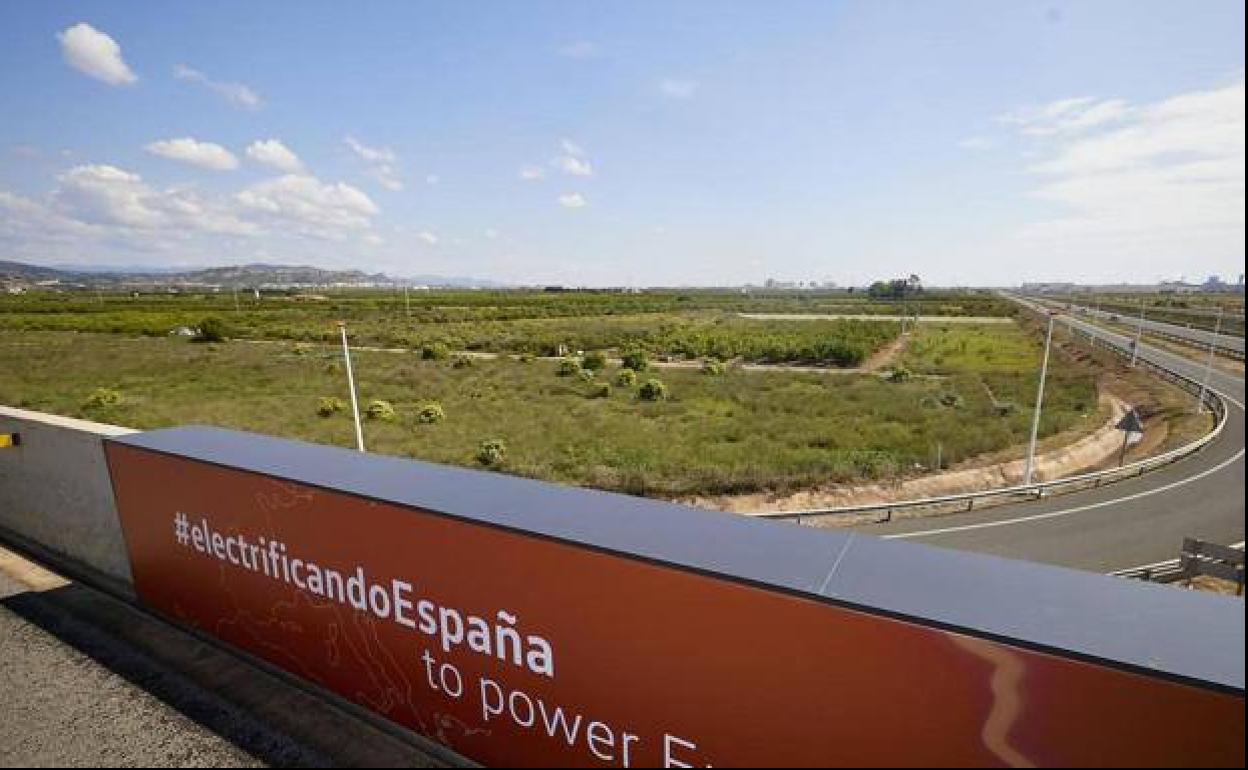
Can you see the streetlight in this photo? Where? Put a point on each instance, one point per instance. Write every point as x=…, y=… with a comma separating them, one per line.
x=1035, y=417
x=1204, y=383
x=355, y=406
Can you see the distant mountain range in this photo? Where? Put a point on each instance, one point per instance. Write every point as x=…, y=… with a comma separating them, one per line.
x=254, y=275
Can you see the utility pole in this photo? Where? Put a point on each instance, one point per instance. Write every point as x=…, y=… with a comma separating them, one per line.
x=1035, y=417
x=1204, y=384
x=1139, y=333
x=355, y=406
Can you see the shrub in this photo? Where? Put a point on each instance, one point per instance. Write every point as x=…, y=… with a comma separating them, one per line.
x=585, y=375
x=525, y=358
x=491, y=452
x=380, y=410
x=594, y=361
x=429, y=413
x=435, y=351
x=212, y=329
x=653, y=390
x=461, y=362
x=637, y=359
x=568, y=367
x=625, y=378
x=329, y=405
x=601, y=390
x=713, y=367
x=102, y=397
x=952, y=400
x=900, y=374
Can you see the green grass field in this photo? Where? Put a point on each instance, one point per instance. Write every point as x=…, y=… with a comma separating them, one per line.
x=734, y=432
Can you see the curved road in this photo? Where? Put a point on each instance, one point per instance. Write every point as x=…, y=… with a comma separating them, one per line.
x=1121, y=525
x=1200, y=337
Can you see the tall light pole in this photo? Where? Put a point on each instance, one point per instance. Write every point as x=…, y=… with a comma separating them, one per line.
x=1204, y=383
x=1139, y=333
x=355, y=406
x=1035, y=417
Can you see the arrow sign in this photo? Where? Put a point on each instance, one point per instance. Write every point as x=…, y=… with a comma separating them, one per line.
x=1130, y=425
x=1130, y=422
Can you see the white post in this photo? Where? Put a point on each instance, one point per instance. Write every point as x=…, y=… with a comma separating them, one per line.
x=1139, y=333
x=355, y=406
x=1204, y=383
x=1035, y=417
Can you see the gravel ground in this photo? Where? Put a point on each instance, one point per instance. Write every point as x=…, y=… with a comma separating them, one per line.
x=62, y=708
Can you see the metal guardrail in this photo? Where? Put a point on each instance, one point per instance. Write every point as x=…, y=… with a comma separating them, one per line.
x=1038, y=489
x=1187, y=565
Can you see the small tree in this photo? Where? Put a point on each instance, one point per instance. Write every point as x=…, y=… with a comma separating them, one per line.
x=568, y=367
x=653, y=390
x=594, y=361
x=435, y=351
x=380, y=410
x=429, y=413
x=625, y=378
x=212, y=329
x=329, y=405
x=491, y=452
x=635, y=358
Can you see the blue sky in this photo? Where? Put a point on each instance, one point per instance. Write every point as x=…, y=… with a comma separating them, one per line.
x=630, y=143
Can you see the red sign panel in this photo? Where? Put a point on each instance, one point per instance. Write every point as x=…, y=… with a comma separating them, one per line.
x=518, y=650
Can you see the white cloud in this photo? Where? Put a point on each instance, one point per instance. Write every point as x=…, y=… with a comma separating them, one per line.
x=100, y=194
x=573, y=201
x=428, y=237
x=236, y=93
x=574, y=166
x=1067, y=116
x=572, y=148
x=371, y=154
x=197, y=153
x=432, y=179
x=531, y=173
x=307, y=205
x=381, y=162
x=1157, y=186
x=976, y=143
x=94, y=53
x=678, y=89
x=581, y=49
x=272, y=153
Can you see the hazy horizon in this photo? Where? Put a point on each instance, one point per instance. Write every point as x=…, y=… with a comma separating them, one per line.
x=687, y=144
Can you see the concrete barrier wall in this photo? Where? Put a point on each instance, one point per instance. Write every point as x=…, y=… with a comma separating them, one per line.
x=56, y=496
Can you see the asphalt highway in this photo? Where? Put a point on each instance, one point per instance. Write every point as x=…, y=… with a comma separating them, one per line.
x=1123, y=524
x=1195, y=336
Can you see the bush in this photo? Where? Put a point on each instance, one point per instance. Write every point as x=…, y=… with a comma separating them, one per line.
x=653, y=390
x=329, y=405
x=637, y=359
x=525, y=358
x=585, y=375
x=900, y=374
x=625, y=378
x=102, y=397
x=594, y=361
x=714, y=367
x=212, y=329
x=491, y=452
x=568, y=367
x=380, y=410
x=435, y=351
x=601, y=390
x=461, y=362
x=429, y=413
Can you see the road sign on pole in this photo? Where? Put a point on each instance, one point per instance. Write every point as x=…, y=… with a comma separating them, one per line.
x=1035, y=417
x=1130, y=424
x=355, y=405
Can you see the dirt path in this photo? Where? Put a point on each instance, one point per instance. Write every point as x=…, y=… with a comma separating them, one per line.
x=1088, y=452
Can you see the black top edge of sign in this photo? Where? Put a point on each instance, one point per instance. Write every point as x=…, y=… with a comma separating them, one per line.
x=1189, y=635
